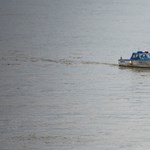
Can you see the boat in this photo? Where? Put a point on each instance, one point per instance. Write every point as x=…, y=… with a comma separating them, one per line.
x=138, y=59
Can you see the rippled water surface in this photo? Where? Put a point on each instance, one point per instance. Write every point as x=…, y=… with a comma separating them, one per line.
x=60, y=85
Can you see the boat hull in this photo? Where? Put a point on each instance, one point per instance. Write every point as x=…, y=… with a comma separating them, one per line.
x=134, y=63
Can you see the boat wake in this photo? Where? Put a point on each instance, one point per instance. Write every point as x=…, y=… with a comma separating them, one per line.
x=97, y=63
x=18, y=60
x=71, y=62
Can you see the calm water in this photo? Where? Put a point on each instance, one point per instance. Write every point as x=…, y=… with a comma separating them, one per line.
x=60, y=86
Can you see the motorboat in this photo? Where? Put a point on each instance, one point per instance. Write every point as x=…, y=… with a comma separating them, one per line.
x=138, y=59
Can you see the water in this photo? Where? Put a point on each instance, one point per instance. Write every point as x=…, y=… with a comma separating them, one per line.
x=60, y=85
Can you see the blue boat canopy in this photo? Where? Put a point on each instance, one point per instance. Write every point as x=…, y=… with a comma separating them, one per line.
x=140, y=55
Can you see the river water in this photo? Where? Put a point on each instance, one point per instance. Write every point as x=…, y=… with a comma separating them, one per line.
x=60, y=85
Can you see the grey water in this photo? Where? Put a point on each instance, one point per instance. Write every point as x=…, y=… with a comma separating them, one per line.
x=60, y=85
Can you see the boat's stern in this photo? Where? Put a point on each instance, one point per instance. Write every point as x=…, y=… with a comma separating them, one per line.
x=124, y=62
